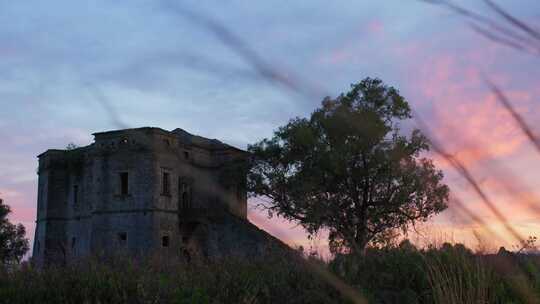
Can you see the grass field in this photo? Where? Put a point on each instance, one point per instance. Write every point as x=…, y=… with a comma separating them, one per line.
x=403, y=274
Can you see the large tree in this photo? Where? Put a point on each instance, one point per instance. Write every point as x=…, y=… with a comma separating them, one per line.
x=13, y=244
x=349, y=169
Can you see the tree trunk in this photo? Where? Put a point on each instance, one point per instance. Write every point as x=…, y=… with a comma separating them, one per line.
x=358, y=246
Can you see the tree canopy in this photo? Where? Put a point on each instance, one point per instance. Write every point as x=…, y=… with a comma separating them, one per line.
x=13, y=244
x=349, y=169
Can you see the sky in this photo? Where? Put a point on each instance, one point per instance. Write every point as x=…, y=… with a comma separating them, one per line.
x=77, y=67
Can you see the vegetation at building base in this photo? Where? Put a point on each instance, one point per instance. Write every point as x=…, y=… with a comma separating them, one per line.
x=273, y=279
x=396, y=274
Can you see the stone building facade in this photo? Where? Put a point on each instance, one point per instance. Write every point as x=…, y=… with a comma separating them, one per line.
x=144, y=190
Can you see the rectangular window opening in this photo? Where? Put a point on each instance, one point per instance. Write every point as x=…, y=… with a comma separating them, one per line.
x=186, y=154
x=122, y=237
x=124, y=185
x=165, y=241
x=166, y=183
x=75, y=194
x=73, y=242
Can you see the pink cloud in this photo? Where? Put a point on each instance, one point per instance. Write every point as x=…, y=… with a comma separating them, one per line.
x=375, y=27
x=468, y=118
x=7, y=51
x=472, y=125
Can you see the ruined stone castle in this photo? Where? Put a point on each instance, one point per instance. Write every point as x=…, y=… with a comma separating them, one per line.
x=141, y=191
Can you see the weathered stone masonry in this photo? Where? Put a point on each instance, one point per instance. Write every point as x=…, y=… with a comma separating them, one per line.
x=144, y=190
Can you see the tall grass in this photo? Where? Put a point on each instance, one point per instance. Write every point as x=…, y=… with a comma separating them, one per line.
x=457, y=277
x=272, y=279
x=401, y=274
x=446, y=274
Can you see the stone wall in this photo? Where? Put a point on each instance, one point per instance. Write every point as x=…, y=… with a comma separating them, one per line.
x=140, y=190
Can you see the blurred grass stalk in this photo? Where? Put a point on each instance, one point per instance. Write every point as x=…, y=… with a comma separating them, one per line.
x=461, y=281
x=459, y=277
